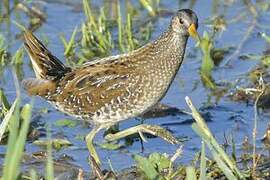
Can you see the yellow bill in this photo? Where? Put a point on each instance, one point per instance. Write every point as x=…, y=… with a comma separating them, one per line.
x=193, y=32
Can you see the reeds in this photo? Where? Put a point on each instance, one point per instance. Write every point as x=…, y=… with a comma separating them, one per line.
x=49, y=164
x=16, y=123
x=3, y=51
x=6, y=4
x=16, y=139
x=228, y=167
x=151, y=6
x=224, y=162
x=96, y=38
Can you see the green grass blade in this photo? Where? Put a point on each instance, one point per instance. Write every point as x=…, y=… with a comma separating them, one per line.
x=203, y=131
x=129, y=33
x=223, y=166
x=49, y=164
x=190, y=173
x=7, y=118
x=20, y=142
x=203, y=163
x=16, y=141
x=4, y=101
x=217, y=157
x=148, y=6
x=7, y=6
x=18, y=57
x=90, y=18
x=120, y=28
x=71, y=43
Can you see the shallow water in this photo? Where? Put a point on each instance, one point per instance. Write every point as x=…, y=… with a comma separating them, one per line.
x=227, y=116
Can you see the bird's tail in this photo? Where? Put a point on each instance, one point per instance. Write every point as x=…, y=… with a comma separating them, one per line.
x=45, y=65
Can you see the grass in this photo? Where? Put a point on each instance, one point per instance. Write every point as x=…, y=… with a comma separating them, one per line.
x=154, y=170
x=3, y=52
x=224, y=162
x=205, y=44
x=4, y=103
x=6, y=4
x=16, y=123
x=203, y=163
x=70, y=47
x=16, y=139
x=151, y=6
x=96, y=38
x=7, y=112
x=49, y=165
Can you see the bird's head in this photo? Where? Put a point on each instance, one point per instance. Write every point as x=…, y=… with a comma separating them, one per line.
x=185, y=22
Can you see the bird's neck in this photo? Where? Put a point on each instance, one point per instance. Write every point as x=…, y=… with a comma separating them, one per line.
x=163, y=55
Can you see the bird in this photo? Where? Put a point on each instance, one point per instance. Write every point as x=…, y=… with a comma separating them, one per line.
x=109, y=90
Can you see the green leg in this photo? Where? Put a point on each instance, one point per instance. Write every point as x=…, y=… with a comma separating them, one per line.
x=89, y=141
x=144, y=128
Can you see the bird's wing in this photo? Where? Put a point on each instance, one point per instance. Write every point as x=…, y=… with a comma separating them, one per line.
x=87, y=89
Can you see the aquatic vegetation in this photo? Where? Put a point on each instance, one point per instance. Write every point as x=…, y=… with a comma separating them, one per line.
x=49, y=164
x=96, y=38
x=55, y=143
x=95, y=34
x=151, y=6
x=66, y=123
x=156, y=165
x=206, y=45
x=3, y=52
x=70, y=48
x=224, y=162
x=16, y=140
x=6, y=113
x=5, y=106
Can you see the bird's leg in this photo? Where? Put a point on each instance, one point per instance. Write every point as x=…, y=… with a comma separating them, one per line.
x=89, y=141
x=144, y=128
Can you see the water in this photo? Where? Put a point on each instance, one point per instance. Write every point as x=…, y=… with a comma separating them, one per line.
x=227, y=116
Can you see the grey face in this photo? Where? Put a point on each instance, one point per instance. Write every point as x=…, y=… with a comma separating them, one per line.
x=183, y=19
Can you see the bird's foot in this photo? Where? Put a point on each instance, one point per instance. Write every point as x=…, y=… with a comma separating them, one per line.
x=144, y=128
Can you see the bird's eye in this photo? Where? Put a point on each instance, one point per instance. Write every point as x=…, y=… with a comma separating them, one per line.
x=181, y=21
